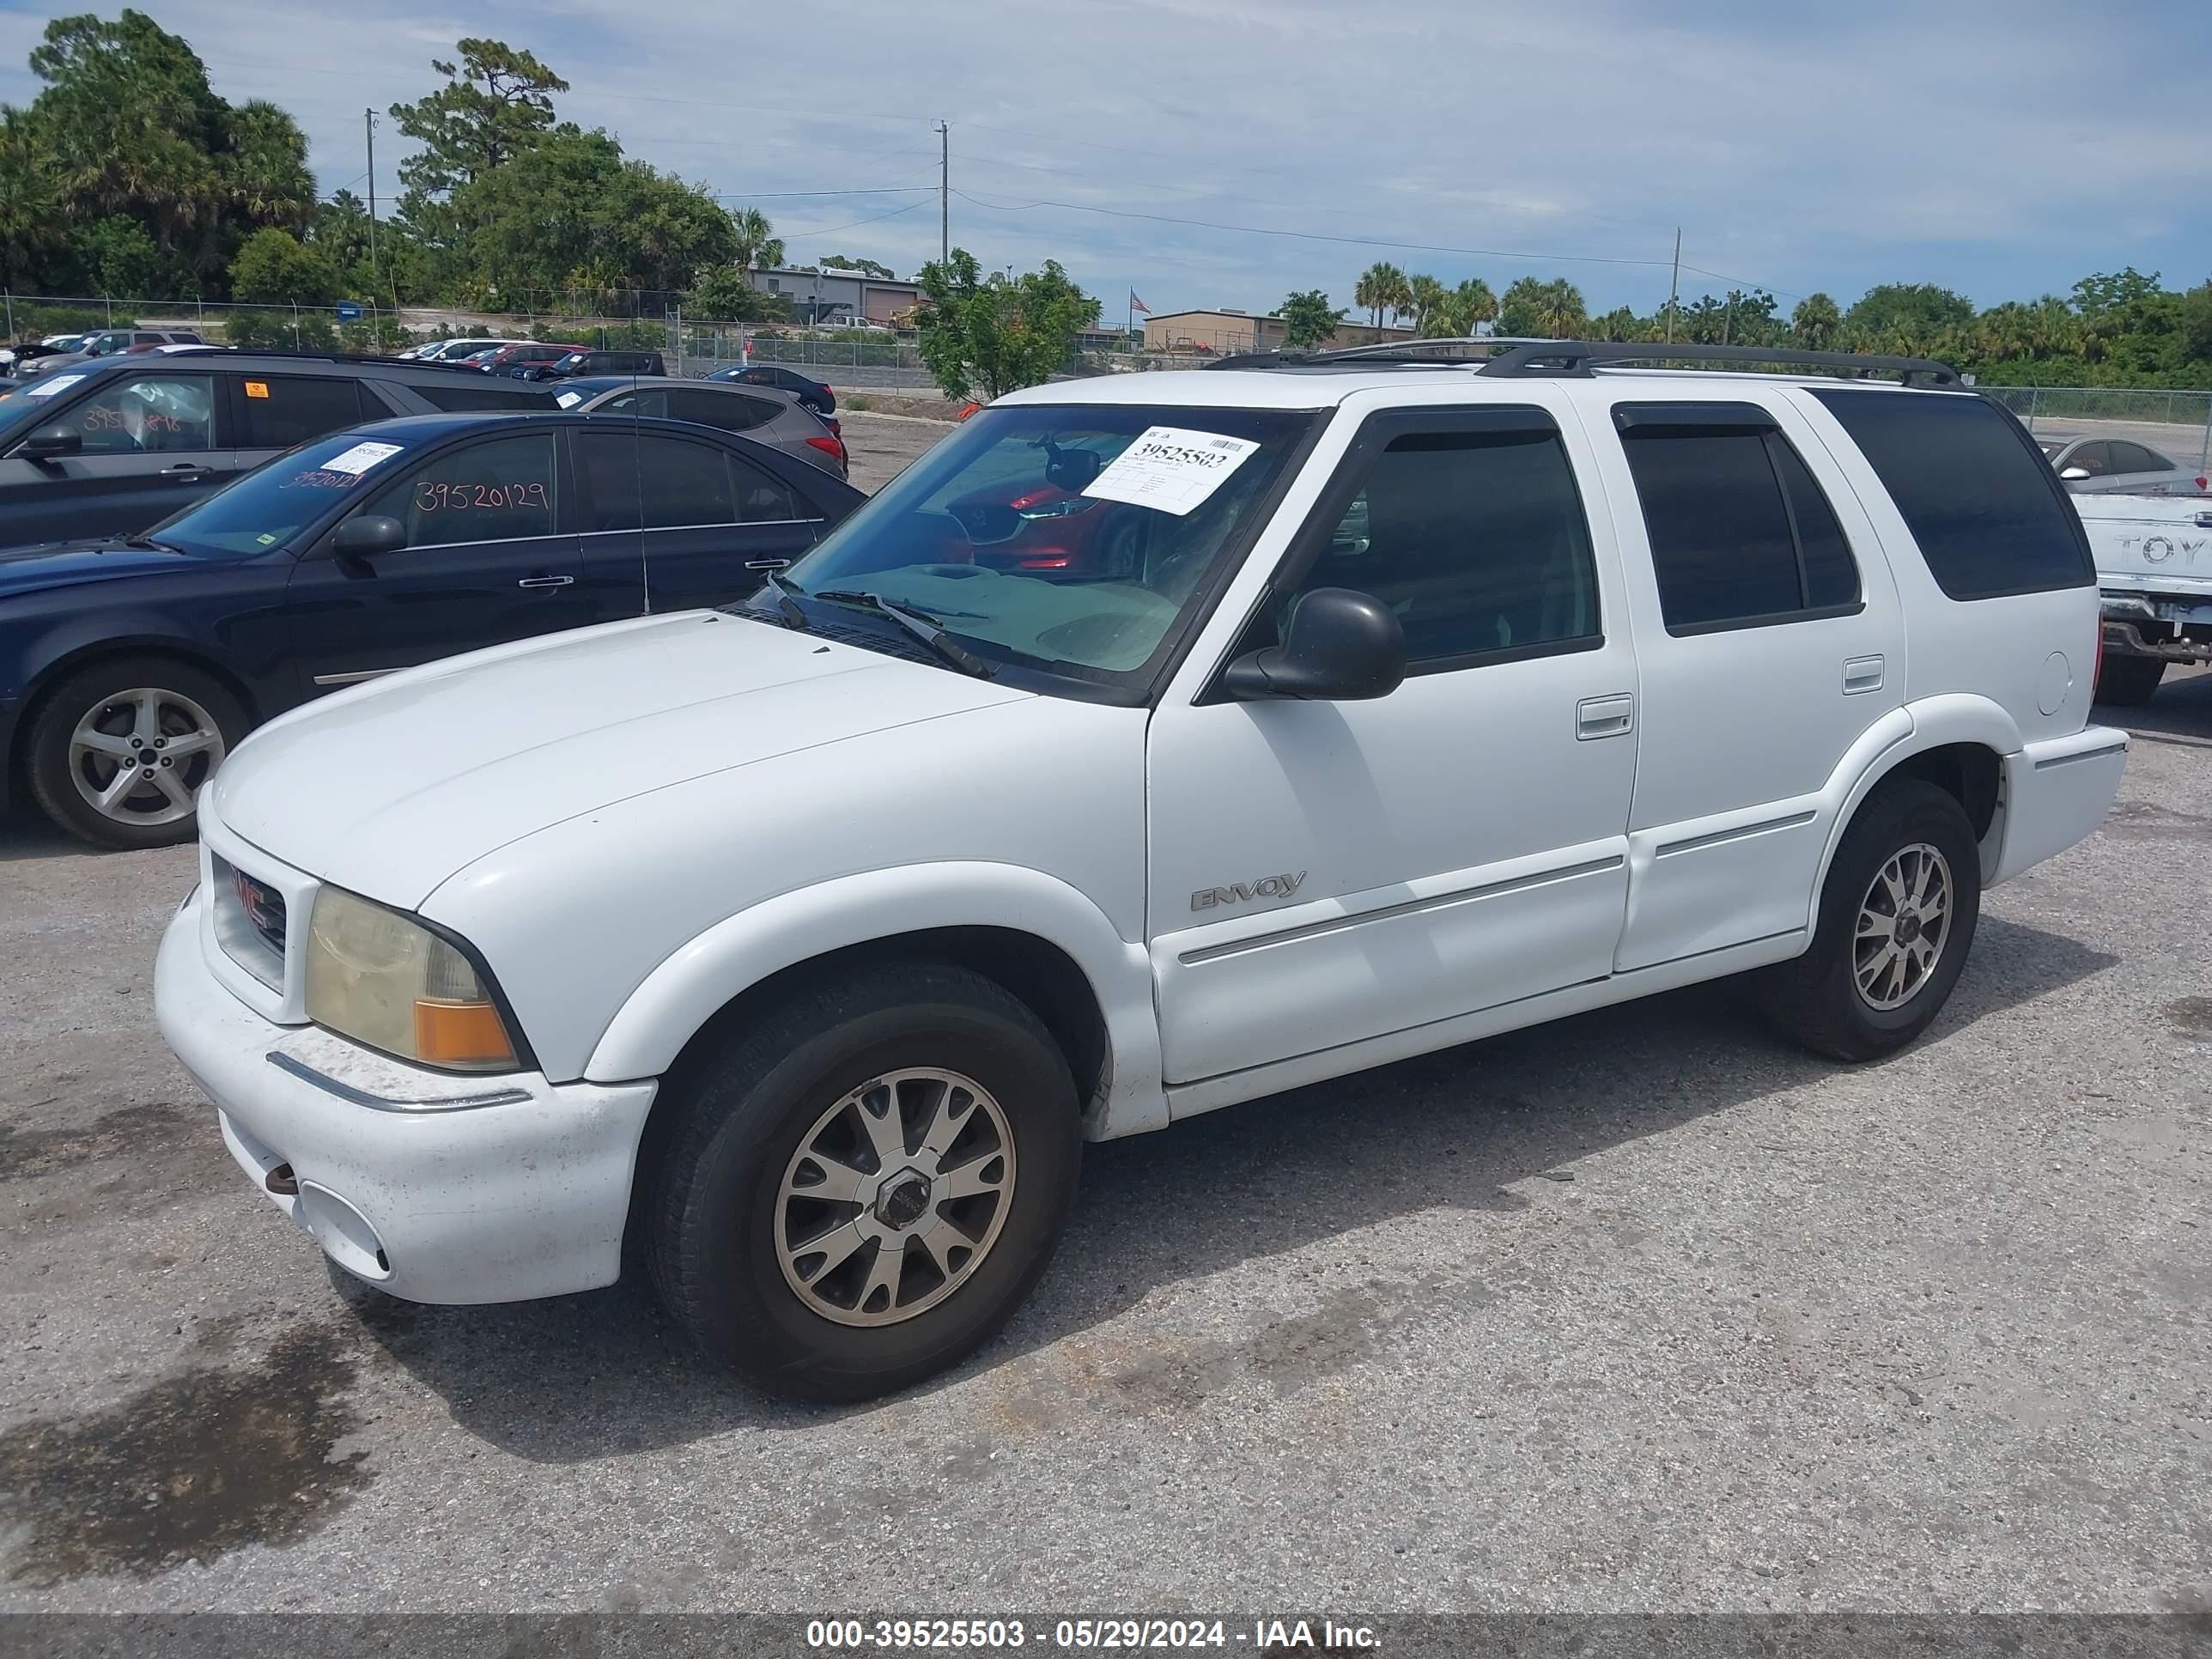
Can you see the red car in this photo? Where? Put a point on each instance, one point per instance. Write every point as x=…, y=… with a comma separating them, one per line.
x=507, y=357
x=1042, y=523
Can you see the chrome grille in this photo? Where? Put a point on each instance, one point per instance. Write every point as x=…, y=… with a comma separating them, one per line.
x=249, y=922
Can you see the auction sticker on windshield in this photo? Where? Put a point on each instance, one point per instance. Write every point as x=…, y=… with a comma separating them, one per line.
x=1171, y=468
x=361, y=458
x=59, y=383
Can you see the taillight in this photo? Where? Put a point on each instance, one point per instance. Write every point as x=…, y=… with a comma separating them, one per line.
x=830, y=444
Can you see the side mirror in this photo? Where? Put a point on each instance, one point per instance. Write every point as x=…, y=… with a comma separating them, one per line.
x=51, y=443
x=1073, y=470
x=366, y=536
x=2074, y=472
x=1340, y=647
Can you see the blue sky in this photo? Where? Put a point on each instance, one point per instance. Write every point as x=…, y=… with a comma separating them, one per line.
x=2003, y=150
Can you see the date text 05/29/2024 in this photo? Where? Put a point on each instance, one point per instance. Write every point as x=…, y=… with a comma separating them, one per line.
x=1256, y=1636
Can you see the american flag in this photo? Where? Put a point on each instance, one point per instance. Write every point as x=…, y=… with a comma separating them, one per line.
x=1135, y=304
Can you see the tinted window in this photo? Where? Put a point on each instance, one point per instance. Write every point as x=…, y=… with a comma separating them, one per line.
x=1720, y=533
x=494, y=491
x=2093, y=459
x=2134, y=457
x=1831, y=575
x=284, y=410
x=733, y=411
x=763, y=498
x=1476, y=539
x=267, y=507
x=1988, y=516
x=653, y=400
x=461, y=394
x=146, y=414
x=682, y=484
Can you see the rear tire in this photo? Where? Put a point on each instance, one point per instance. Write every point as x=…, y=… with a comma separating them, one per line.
x=931, y=1235
x=1884, y=957
x=140, y=734
x=2129, y=682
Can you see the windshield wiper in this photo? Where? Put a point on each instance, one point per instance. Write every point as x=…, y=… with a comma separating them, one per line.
x=786, y=601
x=916, y=622
x=150, y=545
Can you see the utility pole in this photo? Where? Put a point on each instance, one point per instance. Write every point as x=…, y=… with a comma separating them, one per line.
x=944, y=194
x=368, y=121
x=1675, y=285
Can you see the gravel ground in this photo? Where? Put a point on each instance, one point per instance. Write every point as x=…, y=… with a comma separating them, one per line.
x=1642, y=1310
x=880, y=445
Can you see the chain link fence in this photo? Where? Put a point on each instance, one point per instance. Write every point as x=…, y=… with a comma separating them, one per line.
x=2177, y=423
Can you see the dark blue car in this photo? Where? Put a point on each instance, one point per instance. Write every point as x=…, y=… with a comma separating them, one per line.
x=130, y=665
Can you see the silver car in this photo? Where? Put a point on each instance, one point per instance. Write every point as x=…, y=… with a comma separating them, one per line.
x=762, y=413
x=2098, y=467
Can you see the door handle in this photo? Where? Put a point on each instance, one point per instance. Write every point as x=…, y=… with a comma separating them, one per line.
x=185, y=469
x=1862, y=675
x=1605, y=717
x=546, y=581
x=767, y=564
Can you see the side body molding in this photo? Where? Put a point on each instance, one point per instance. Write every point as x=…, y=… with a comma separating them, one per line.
x=683, y=991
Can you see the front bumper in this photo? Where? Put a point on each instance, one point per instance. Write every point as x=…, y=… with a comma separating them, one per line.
x=432, y=1187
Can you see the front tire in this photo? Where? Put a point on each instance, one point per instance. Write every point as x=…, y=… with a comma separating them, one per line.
x=1897, y=917
x=120, y=748
x=863, y=1183
x=2129, y=682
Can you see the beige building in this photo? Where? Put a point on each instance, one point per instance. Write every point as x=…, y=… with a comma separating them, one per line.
x=1220, y=332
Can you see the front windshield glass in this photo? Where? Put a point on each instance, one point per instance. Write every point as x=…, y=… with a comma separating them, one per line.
x=271, y=505
x=1071, y=539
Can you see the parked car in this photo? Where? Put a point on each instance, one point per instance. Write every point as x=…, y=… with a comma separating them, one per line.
x=107, y=448
x=812, y=394
x=455, y=349
x=510, y=357
x=113, y=343
x=1036, y=520
x=128, y=667
x=801, y=944
x=762, y=413
x=2154, y=558
x=593, y=363
x=2096, y=465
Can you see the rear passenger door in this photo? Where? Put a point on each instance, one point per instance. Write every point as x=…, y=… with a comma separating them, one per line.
x=672, y=522
x=275, y=411
x=1770, y=645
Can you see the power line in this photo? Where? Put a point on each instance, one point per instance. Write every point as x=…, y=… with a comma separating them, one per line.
x=832, y=229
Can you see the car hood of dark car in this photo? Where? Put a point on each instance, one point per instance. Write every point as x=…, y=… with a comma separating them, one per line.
x=68, y=564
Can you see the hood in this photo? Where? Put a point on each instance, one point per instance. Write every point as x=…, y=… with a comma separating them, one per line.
x=62, y=564
x=391, y=786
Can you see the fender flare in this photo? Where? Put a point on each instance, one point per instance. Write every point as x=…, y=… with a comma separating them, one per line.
x=1913, y=729
x=695, y=981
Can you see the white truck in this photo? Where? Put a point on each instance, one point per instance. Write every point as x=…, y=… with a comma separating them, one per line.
x=1155, y=743
x=2154, y=557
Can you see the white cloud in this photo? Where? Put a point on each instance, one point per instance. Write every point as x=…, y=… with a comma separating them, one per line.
x=2005, y=149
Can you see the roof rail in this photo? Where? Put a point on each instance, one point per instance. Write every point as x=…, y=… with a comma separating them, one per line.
x=1576, y=356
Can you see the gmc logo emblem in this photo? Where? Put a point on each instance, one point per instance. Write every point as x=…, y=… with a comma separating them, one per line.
x=1243, y=892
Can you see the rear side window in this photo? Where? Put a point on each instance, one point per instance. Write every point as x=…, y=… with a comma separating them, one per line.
x=731, y=411
x=1989, y=516
x=462, y=395
x=284, y=410
x=2134, y=457
x=1742, y=535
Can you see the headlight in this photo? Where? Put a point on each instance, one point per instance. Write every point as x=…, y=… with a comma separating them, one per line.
x=386, y=981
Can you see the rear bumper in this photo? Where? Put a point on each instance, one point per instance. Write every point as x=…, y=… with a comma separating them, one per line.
x=432, y=1187
x=2056, y=792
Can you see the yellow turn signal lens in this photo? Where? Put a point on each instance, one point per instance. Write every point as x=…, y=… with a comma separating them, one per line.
x=468, y=1034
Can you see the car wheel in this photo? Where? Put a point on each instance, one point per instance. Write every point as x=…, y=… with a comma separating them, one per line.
x=862, y=1184
x=119, y=749
x=2125, y=681
x=1897, y=918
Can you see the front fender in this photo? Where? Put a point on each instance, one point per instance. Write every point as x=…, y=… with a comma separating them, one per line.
x=688, y=985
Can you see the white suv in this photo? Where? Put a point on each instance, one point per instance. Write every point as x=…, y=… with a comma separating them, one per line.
x=1155, y=743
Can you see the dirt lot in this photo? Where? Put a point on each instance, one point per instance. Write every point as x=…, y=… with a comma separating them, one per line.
x=1644, y=1310
x=880, y=445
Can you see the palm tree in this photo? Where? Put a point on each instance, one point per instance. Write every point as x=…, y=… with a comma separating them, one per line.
x=1379, y=290
x=1425, y=299
x=32, y=222
x=1559, y=310
x=1816, y=322
x=759, y=248
x=1472, y=304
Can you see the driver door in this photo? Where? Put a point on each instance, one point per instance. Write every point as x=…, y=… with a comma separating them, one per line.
x=1324, y=873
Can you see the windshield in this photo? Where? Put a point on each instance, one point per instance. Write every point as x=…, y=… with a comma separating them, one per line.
x=270, y=506
x=1070, y=539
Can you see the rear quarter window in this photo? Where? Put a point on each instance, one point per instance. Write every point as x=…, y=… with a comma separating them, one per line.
x=1989, y=515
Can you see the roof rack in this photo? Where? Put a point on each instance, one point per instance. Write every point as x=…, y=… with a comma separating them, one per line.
x=1576, y=356
x=1496, y=355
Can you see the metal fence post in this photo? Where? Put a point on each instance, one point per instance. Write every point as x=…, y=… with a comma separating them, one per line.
x=2034, y=398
